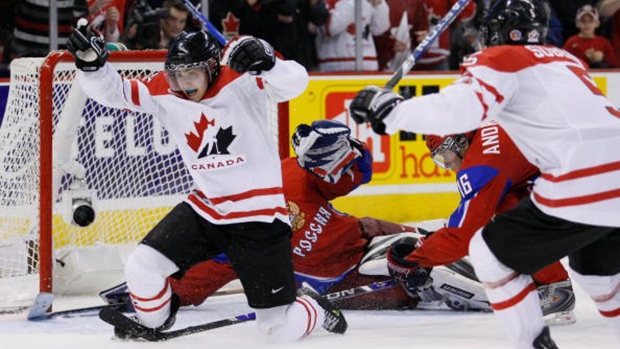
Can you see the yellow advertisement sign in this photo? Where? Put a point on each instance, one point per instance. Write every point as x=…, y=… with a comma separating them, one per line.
x=406, y=185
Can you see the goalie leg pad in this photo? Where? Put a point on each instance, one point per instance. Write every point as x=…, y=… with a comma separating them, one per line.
x=374, y=262
x=459, y=292
x=116, y=294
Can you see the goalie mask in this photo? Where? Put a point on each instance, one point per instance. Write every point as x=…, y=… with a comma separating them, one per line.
x=445, y=151
x=325, y=149
x=192, y=50
x=515, y=22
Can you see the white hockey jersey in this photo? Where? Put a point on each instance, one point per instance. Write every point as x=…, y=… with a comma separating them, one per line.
x=224, y=140
x=556, y=115
x=335, y=41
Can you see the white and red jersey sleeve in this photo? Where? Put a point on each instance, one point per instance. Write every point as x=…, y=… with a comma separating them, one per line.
x=224, y=140
x=553, y=111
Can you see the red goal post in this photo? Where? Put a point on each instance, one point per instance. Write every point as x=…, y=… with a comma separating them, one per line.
x=59, y=149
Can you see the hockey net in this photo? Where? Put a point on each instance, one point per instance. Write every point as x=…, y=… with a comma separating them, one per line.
x=59, y=149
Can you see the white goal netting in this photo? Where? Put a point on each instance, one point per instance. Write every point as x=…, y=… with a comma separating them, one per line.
x=59, y=149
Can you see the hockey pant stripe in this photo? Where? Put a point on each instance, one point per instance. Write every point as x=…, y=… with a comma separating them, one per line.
x=514, y=300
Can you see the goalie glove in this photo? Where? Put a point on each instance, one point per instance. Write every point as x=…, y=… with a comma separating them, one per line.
x=249, y=54
x=373, y=104
x=88, y=47
x=324, y=148
x=415, y=280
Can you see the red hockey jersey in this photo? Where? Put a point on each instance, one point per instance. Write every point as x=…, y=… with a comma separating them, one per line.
x=494, y=176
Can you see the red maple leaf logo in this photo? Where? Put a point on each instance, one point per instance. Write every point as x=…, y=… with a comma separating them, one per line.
x=231, y=25
x=194, y=140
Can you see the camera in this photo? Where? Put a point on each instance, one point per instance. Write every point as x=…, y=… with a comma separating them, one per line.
x=79, y=204
x=148, y=29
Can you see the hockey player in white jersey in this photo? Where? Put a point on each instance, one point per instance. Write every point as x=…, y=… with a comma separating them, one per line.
x=216, y=114
x=335, y=41
x=563, y=124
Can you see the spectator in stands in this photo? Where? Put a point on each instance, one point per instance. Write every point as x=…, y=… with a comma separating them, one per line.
x=107, y=16
x=335, y=41
x=565, y=11
x=555, y=34
x=594, y=49
x=611, y=10
x=31, y=35
x=6, y=33
x=288, y=25
x=436, y=58
x=152, y=27
x=176, y=21
x=404, y=34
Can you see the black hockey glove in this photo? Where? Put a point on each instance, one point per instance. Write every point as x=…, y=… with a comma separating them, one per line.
x=88, y=47
x=249, y=54
x=373, y=104
x=416, y=281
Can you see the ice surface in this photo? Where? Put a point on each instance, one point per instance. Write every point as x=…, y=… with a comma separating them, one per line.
x=367, y=329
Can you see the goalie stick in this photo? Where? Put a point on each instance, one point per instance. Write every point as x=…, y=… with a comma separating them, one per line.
x=456, y=9
x=118, y=319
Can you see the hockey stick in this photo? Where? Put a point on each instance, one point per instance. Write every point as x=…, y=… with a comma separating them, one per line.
x=117, y=319
x=38, y=311
x=360, y=290
x=456, y=9
x=205, y=21
x=43, y=302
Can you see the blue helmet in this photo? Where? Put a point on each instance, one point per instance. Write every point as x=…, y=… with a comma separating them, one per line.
x=515, y=22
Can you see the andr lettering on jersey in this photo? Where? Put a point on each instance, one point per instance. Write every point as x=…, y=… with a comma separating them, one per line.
x=490, y=138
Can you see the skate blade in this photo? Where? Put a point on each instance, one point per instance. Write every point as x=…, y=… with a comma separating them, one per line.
x=561, y=318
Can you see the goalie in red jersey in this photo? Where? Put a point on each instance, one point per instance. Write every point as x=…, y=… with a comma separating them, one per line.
x=332, y=251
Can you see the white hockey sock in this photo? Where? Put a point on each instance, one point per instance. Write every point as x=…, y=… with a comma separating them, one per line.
x=513, y=296
x=291, y=322
x=517, y=306
x=605, y=291
x=146, y=271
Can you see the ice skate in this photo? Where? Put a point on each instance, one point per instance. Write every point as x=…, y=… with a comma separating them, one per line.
x=544, y=341
x=334, y=318
x=175, y=304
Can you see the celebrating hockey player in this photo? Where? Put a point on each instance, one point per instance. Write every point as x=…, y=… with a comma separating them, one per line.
x=217, y=117
x=563, y=124
x=492, y=176
x=332, y=251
